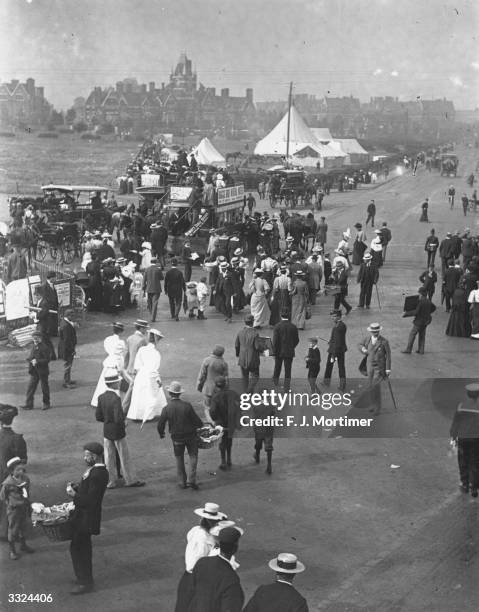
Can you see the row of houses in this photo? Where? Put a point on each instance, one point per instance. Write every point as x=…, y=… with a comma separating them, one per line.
x=181, y=103
x=381, y=116
x=23, y=104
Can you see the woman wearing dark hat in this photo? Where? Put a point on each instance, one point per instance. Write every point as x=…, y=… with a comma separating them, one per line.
x=299, y=300
x=360, y=245
x=199, y=544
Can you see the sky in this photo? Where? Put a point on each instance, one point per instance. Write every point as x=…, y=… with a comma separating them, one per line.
x=364, y=48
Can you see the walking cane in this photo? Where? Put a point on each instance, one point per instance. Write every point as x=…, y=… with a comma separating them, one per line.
x=391, y=392
x=377, y=295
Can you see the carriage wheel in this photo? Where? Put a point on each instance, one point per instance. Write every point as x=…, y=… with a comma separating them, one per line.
x=41, y=250
x=54, y=252
x=68, y=250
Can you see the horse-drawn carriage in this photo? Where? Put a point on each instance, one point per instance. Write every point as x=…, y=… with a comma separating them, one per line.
x=286, y=187
x=449, y=163
x=85, y=204
x=61, y=240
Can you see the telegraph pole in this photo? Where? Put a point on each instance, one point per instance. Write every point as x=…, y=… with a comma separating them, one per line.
x=289, y=118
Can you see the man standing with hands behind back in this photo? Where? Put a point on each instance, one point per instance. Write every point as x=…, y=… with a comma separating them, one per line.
x=86, y=518
x=336, y=350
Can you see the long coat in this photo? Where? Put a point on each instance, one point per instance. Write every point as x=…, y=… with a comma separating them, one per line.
x=86, y=517
x=174, y=283
x=247, y=346
x=51, y=298
x=212, y=367
x=216, y=587
x=285, y=339
x=337, y=341
x=68, y=341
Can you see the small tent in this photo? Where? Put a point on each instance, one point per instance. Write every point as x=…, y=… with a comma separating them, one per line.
x=323, y=135
x=355, y=153
x=206, y=154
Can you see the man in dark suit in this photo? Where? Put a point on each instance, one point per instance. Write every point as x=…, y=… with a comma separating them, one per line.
x=248, y=348
x=11, y=445
x=422, y=318
x=281, y=595
x=336, y=350
x=175, y=287
x=187, y=260
x=450, y=282
x=38, y=361
x=225, y=410
x=341, y=280
x=66, y=347
x=368, y=276
x=152, y=287
x=285, y=340
x=429, y=280
x=216, y=586
x=158, y=238
x=446, y=251
x=86, y=518
x=50, y=296
x=183, y=423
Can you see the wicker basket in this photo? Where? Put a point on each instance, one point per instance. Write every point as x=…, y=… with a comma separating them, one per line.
x=58, y=530
x=207, y=438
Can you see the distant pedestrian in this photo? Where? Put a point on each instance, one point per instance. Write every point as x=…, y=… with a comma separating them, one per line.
x=211, y=367
x=38, y=369
x=371, y=211
x=376, y=363
x=152, y=287
x=431, y=246
x=67, y=347
x=429, y=280
x=250, y=203
x=322, y=232
x=424, y=215
x=386, y=237
x=422, y=318
x=285, y=340
x=313, y=363
x=465, y=203
x=336, y=350
x=368, y=276
x=175, y=288
x=451, y=192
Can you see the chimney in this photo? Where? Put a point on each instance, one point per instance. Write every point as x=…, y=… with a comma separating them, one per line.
x=119, y=87
x=212, y=90
x=151, y=86
x=128, y=88
x=162, y=86
x=40, y=92
x=225, y=93
x=143, y=89
x=249, y=95
x=30, y=86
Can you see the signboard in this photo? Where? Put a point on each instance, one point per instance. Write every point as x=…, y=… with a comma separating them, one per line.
x=34, y=282
x=226, y=195
x=17, y=299
x=84, y=207
x=180, y=194
x=151, y=180
x=64, y=293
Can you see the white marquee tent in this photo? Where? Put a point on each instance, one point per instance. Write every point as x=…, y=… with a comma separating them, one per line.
x=355, y=153
x=206, y=154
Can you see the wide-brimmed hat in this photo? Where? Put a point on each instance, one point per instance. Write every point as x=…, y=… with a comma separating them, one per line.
x=224, y=265
x=317, y=249
x=290, y=239
x=238, y=252
x=112, y=377
x=141, y=323
x=377, y=231
x=374, y=327
x=156, y=332
x=175, y=387
x=210, y=511
x=299, y=273
x=258, y=271
x=118, y=325
x=472, y=389
x=287, y=563
x=11, y=463
x=367, y=256
x=215, y=531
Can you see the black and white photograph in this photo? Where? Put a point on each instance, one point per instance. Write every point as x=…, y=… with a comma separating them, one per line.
x=239, y=275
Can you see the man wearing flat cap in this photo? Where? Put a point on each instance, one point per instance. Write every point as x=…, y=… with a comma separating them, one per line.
x=86, y=517
x=464, y=433
x=11, y=445
x=280, y=595
x=216, y=585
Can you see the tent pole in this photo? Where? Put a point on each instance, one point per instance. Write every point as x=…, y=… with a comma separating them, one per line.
x=289, y=119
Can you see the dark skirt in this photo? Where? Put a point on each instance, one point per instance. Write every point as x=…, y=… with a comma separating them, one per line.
x=281, y=300
x=358, y=252
x=459, y=325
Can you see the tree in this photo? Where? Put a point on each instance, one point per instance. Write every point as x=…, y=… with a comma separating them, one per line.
x=70, y=116
x=80, y=126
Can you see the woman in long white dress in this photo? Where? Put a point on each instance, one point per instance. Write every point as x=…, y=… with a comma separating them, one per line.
x=115, y=349
x=148, y=398
x=259, y=305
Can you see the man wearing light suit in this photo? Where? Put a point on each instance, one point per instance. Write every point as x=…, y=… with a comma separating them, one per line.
x=377, y=354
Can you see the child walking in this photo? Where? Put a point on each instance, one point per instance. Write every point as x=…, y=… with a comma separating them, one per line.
x=15, y=495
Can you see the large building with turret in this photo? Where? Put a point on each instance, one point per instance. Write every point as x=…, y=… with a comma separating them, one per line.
x=179, y=105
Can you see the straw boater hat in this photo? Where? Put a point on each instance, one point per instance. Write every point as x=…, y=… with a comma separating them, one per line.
x=211, y=511
x=367, y=256
x=290, y=239
x=112, y=377
x=215, y=531
x=11, y=463
x=374, y=327
x=286, y=563
x=238, y=252
x=472, y=390
x=377, y=231
x=141, y=323
x=156, y=332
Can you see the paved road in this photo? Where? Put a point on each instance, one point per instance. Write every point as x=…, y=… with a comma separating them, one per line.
x=372, y=537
